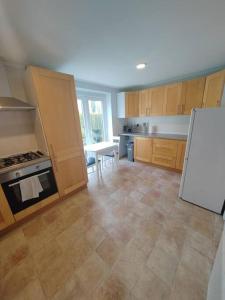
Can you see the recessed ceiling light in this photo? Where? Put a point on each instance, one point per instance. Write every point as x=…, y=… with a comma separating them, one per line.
x=141, y=66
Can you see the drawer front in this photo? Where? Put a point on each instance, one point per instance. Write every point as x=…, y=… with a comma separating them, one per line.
x=164, y=161
x=165, y=148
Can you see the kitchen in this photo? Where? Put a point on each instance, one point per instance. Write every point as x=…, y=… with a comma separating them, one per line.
x=123, y=233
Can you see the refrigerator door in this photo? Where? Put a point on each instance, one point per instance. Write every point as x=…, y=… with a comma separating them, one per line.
x=203, y=178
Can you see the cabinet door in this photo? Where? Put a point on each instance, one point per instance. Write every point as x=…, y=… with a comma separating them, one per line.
x=164, y=152
x=132, y=104
x=157, y=96
x=57, y=103
x=181, y=147
x=6, y=216
x=214, y=89
x=144, y=103
x=143, y=149
x=173, y=99
x=193, y=91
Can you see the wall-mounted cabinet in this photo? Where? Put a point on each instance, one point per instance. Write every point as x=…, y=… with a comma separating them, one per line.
x=172, y=102
x=192, y=94
x=128, y=104
x=214, y=87
x=144, y=103
x=173, y=99
x=157, y=96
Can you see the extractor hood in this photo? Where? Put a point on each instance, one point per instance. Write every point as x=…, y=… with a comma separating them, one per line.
x=9, y=103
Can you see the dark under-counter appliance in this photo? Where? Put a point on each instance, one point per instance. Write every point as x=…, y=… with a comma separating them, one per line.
x=16, y=168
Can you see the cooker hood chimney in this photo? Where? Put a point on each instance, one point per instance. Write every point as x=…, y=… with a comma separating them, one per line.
x=7, y=102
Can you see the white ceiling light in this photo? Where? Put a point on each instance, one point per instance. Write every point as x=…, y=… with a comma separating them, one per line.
x=141, y=66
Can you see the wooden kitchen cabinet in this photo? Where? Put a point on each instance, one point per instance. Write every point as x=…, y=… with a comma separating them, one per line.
x=144, y=103
x=181, y=147
x=173, y=99
x=143, y=149
x=214, y=87
x=164, y=152
x=54, y=95
x=132, y=104
x=6, y=216
x=156, y=98
x=192, y=91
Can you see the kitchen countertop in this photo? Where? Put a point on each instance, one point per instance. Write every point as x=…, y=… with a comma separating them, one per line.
x=169, y=136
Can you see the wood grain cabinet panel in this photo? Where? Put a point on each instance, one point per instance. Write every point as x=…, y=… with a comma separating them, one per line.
x=181, y=147
x=132, y=104
x=214, y=87
x=156, y=98
x=6, y=216
x=56, y=101
x=173, y=99
x=165, y=161
x=165, y=147
x=143, y=149
x=144, y=103
x=192, y=91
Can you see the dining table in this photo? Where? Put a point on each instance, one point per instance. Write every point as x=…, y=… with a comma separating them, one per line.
x=100, y=149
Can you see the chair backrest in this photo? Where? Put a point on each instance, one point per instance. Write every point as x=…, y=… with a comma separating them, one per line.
x=116, y=139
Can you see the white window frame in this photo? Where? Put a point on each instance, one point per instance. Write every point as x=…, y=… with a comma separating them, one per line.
x=84, y=96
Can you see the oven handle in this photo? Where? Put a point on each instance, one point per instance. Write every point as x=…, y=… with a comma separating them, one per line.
x=10, y=185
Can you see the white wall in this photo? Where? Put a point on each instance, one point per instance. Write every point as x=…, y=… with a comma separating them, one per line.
x=165, y=124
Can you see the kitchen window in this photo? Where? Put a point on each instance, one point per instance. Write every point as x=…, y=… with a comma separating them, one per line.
x=93, y=117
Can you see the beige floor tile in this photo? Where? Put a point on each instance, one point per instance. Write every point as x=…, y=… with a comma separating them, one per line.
x=203, y=227
x=91, y=273
x=163, y=264
x=196, y=263
x=149, y=286
x=32, y=291
x=17, y=279
x=108, y=250
x=186, y=287
x=95, y=235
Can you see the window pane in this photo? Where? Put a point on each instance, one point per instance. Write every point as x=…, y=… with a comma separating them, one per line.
x=96, y=121
x=82, y=122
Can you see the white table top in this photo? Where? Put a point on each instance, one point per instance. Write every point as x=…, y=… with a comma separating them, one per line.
x=99, y=147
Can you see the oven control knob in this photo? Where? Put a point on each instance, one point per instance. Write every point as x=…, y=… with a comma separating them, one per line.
x=18, y=174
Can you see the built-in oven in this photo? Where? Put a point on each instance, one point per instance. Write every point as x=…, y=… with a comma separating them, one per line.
x=12, y=186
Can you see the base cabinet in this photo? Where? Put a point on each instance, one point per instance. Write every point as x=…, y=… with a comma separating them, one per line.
x=6, y=216
x=162, y=152
x=143, y=149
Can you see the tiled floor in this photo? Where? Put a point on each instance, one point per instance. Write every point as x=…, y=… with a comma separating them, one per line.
x=129, y=237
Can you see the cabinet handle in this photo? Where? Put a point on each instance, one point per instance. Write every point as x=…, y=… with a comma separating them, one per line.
x=53, y=158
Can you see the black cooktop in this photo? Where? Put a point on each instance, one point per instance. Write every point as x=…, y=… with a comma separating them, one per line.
x=18, y=159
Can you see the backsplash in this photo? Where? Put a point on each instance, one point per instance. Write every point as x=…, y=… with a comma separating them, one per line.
x=165, y=124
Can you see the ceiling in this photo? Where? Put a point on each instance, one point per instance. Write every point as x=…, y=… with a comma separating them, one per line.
x=101, y=41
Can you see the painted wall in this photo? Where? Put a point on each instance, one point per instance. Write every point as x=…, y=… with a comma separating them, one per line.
x=165, y=124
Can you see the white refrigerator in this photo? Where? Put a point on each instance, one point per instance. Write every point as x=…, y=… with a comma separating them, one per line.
x=203, y=177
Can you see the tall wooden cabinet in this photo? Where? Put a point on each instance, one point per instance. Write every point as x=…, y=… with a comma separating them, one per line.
x=55, y=98
x=192, y=92
x=214, y=87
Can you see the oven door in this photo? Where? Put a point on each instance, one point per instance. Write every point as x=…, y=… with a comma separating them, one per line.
x=13, y=193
